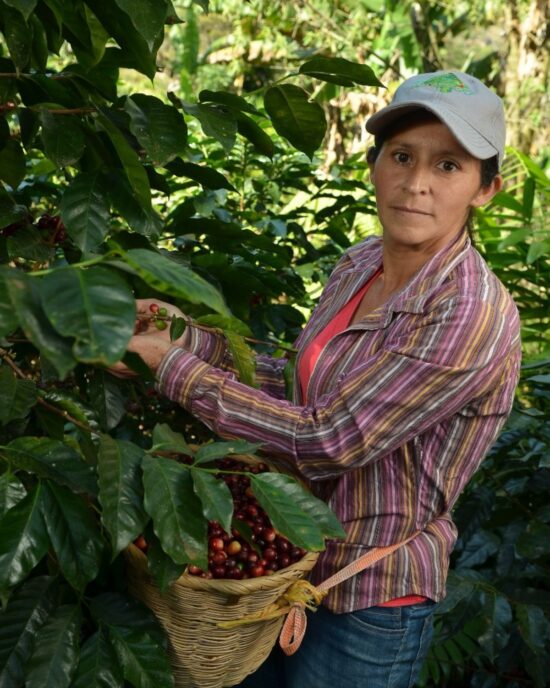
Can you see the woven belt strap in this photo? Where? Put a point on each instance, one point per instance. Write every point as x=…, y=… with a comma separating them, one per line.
x=294, y=627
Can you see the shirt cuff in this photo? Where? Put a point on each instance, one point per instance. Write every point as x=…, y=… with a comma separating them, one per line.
x=178, y=373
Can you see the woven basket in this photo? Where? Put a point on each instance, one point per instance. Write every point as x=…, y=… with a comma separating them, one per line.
x=202, y=654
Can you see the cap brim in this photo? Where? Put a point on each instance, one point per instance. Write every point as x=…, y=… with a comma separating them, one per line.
x=467, y=136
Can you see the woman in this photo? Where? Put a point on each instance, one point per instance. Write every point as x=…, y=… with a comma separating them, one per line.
x=405, y=374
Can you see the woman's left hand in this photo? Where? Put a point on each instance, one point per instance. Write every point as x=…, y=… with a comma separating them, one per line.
x=150, y=347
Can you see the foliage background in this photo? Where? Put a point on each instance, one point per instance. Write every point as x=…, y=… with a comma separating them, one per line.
x=101, y=189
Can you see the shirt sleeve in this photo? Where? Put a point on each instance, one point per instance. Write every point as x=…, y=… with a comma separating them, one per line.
x=211, y=347
x=427, y=372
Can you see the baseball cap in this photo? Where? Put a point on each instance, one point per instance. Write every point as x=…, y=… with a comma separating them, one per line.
x=473, y=112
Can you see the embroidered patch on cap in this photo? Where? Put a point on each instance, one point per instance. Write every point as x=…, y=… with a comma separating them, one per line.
x=446, y=83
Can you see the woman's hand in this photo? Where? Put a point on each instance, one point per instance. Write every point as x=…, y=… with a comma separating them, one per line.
x=150, y=347
x=145, y=318
x=150, y=343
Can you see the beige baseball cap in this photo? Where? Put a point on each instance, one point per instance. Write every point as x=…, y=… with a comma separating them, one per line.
x=473, y=112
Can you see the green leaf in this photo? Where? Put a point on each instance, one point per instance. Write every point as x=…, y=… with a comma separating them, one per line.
x=296, y=118
x=159, y=128
x=17, y=397
x=190, y=42
x=277, y=494
x=535, y=541
x=497, y=615
x=231, y=100
x=98, y=666
x=28, y=608
x=8, y=316
x=63, y=138
x=319, y=511
x=115, y=609
x=74, y=534
x=536, y=250
x=482, y=545
x=218, y=450
x=217, y=502
x=54, y=660
x=119, y=25
x=256, y=135
x=533, y=625
x=205, y=176
x=141, y=219
x=244, y=358
x=23, y=539
x=24, y=294
x=147, y=17
x=135, y=172
x=10, y=212
x=216, y=122
x=18, y=36
x=12, y=491
x=31, y=244
x=161, y=567
x=51, y=459
x=337, y=70
x=94, y=306
x=176, y=510
x=85, y=210
x=121, y=491
x=177, y=328
x=26, y=7
x=165, y=439
x=169, y=277
x=107, y=398
x=144, y=666
x=12, y=163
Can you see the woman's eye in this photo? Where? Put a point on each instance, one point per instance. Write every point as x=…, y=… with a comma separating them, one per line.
x=448, y=166
x=401, y=157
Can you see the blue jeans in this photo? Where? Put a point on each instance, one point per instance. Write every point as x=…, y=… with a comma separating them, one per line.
x=379, y=647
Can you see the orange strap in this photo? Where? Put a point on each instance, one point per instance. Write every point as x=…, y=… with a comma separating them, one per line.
x=294, y=627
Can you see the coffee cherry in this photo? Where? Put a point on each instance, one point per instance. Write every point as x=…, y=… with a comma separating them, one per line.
x=154, y=308
x=216, y=543
x=161, y=324
x=162, y=312
x=233, y=547
x=141, y=543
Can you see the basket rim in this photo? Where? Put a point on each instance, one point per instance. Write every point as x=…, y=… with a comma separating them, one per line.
x=228, y=586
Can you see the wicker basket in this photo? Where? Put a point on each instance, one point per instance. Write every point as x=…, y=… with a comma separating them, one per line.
x=202, y=654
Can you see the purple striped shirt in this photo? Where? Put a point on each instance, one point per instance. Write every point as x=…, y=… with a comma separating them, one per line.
x=402, y=407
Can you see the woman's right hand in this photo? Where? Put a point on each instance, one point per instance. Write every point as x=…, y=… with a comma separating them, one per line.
x=145, y=318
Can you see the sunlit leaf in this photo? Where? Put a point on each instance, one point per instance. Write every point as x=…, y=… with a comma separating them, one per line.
x=337, y=70
x=95, y=307
x=169, y=277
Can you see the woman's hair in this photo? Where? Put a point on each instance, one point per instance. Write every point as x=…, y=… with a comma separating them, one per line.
x=489, y=167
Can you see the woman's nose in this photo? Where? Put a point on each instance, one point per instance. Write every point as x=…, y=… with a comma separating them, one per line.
x=417, y=180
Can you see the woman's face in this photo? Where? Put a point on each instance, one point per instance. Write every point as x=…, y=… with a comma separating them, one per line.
x=426, y=183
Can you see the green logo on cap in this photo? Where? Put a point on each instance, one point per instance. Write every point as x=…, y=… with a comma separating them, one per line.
x=446, y=83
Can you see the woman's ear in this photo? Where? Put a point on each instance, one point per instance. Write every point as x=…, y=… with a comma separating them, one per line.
x=486, y=193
